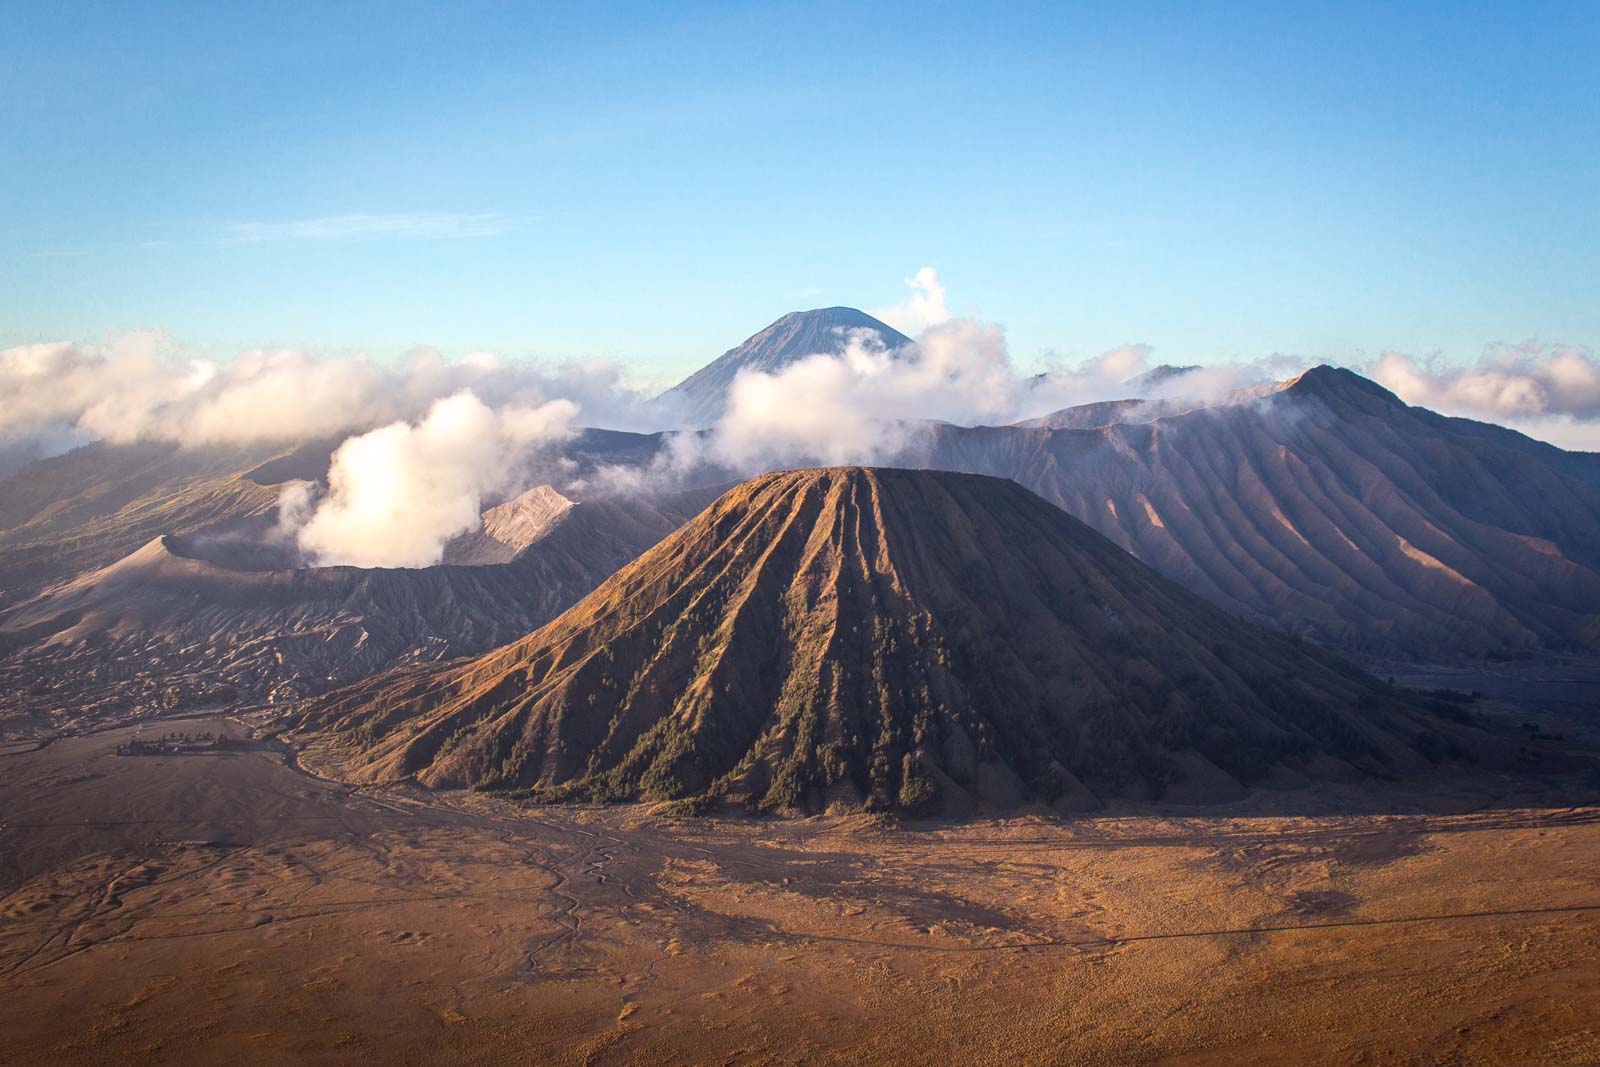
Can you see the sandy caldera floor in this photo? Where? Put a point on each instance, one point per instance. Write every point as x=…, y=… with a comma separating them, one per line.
x=226, y=908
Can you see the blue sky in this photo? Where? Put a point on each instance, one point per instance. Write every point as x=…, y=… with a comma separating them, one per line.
x=655, y=182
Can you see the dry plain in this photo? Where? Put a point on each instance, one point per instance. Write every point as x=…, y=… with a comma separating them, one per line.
x=229, y=907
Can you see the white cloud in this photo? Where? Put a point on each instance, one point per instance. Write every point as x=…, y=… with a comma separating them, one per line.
x=1522, y=382
x=412, y=226
x=397, y=494
x=861, y=405
x=142, y=386
x=1100, y=378
x=1571, y=434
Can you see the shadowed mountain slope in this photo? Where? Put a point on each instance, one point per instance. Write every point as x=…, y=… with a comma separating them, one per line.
x=899, y=639
x=702, y=396
x=188, y=621
x=1328, y=507
x=95, y=504
x=86, y=509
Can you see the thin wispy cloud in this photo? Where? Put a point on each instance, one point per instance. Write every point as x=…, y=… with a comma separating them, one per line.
x=406, y=226
x=59, y=253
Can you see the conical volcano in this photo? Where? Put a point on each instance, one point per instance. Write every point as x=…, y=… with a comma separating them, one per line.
x=701, y=397
x=892, y=639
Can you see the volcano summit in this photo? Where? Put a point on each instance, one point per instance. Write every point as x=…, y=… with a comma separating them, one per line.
x=702, y=397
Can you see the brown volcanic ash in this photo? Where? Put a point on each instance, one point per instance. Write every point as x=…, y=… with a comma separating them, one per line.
x=94, y=505
x=70, y=514
x=1329, y=508
x=195, y=621
x=887, y=637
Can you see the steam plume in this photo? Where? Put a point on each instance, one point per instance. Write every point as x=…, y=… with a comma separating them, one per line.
x=924, y=308
x=397, y=494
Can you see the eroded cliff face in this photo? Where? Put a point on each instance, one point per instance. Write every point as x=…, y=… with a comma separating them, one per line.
x=1326, y=507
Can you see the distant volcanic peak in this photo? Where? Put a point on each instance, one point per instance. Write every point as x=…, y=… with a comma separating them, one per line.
x=508, y=529
x=822, y=331
x=1336, y=385
x=886, y=638
x=1158, y=376
x=525, y=518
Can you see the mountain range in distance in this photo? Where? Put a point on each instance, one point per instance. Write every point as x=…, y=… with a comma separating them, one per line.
x=136, y=578
x=1328, y=507
x=1323, y=505
x=888, y=640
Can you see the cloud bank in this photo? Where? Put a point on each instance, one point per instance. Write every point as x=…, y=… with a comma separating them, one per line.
x=143, y=387
x=427, y=439
x=1520, y=382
